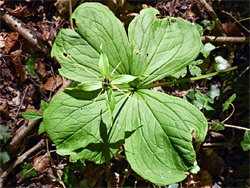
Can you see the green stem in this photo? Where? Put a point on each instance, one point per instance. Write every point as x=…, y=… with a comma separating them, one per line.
x=188, y=79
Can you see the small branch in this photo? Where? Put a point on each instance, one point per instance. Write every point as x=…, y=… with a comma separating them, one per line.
x=25, y=91
x=230, y=114
x=237, y=127
x=28, y=34
x=215, y=18
x=227, y=13
x=20, y=160
x=188, y=79
x=224, y=40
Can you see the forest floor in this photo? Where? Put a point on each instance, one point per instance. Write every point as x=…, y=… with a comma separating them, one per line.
x=29, y=75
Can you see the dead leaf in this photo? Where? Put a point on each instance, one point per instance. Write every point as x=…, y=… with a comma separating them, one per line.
x=52, y=83
x=21, y=11
x=4, y=110
x=41, y=68
x=63, y=6
x=2, y=42
x=10, y=41
x=16, y=100
x=30, y=107
x=41, y=163
x=231, y=29
x=202, y=179
x=16, y=57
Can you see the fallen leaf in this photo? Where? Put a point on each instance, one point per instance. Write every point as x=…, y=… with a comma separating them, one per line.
x=10, y=41
x=21, y=11
x=63, y=6
x=30, y=107
x=202, y=179
x=16, y=100
x=41, y=68
x=4, y=110
x=16, y=57
x=2, y=42
x=41, y=163
x=231, y=29
x=52, y=83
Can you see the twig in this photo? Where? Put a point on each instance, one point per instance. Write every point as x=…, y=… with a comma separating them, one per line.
x=20, y=160
x=18, y=110
x=237, y=127
x=70, y=13
x=227, y=13
x=224, y=40
x=244, y=19
x=28, y=34
x=230, y=114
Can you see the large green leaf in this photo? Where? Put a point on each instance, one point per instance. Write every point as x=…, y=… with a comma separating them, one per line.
x=160, y=149
x=78, y=51
x=80, y=126
x=161, y=47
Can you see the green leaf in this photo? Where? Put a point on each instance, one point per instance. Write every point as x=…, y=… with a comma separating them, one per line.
x=195, y=168
x=209, y=24
x=182, y=73
x=226, y=104
x=41, y=128
x=4, y=135
x=221, y=63
x=199, y=28
x=214, y=92
x=124, y=78
x=217, y=126
x=161, y=47
x=88, y=86
x=202, y=101
x=31, y=115
x=80, y=125
x=30, y=65
x=110, y=100
x=69, y=177
x=4, y=156
x=245, y=143
x=160, y=149
x=104, y=65
x=174, y=185
x=78, y=51
x=27, y=172
x=43, y=106
x=195, y=70
x=206, y=49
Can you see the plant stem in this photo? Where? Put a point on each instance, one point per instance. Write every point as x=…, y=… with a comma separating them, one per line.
x=236, y=127
x=188, y=79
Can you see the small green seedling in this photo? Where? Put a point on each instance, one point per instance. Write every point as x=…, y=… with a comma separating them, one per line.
x=110, y=107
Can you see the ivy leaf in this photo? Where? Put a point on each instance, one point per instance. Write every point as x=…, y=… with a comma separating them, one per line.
x=81, y=127
x=245, y=143
x=214, y=92
x=161, y=47
x=104, y=65
x=221, y=63
x=162, y=124
x=4, y=156
x=217, y=126
x=31, y=115
x=182, y=73
x=226, y=104
x=206, y=49
x=195, y=70
x=28, y=171
x=202, y=101
x=4, y=135
x=30, y=65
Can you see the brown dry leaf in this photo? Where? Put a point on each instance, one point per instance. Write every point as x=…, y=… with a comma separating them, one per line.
x=21, y=11
x=41, y=163
x=2, y=42
x=41, y=68
x=4, y=111
x=63, y=6
x=30, y=107
x=16, y=57
x=231, y=29
x=10, y=41
x=52, y=83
